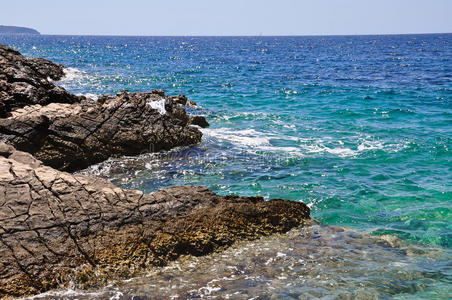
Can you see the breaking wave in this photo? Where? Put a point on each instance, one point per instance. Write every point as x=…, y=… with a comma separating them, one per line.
x=253, y=140
x=71, y=74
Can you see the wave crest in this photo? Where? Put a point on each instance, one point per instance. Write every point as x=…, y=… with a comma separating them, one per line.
x=71, y=74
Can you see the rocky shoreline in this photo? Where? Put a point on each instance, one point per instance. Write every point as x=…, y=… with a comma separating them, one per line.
x=27, y=81
x=58, y=229
x=71, y=137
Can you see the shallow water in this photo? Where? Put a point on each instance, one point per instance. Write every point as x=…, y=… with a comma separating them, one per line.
x=307, y=263
x=359, y=128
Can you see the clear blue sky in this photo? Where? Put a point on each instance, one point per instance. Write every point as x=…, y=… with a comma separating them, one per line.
x=229, y=17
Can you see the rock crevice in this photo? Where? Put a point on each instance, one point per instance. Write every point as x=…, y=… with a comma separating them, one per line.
x=70, y=133
x=27, y=81
x=56, y=227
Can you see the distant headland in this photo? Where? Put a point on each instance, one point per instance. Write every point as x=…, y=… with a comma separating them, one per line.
x=17, y=30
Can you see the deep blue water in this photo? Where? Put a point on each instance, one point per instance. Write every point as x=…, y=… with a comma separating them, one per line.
x=358, y=127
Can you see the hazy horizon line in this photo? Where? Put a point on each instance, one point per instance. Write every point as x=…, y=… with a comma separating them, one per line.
x=247, y=35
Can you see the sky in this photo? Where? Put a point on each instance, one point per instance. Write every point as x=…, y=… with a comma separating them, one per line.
x=229, y=17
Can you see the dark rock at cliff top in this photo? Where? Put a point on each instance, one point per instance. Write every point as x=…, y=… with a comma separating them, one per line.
x=26, y=81
x=73, y=136
x=58, y=229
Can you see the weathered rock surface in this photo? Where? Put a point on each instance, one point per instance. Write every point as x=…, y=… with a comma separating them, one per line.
x=57, y=228
x=73, y=136
x=68, y=132
x=27, y=81
x=199, y=121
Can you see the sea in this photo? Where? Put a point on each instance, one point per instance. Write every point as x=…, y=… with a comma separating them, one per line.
x=357, y=127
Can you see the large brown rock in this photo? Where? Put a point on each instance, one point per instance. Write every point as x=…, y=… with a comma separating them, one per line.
x=73, y=136
x=57, y=228
x=27, y=81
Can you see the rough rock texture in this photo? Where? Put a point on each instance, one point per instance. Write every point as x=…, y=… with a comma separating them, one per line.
x=69, y=132
x=73, y=136
x=57, y=228
x=200, y=121
x=182, y=99
x=25, y=81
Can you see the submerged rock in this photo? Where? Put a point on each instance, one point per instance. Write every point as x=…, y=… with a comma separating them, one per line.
x=57, y=228
x=26, y=81
x=73, y=136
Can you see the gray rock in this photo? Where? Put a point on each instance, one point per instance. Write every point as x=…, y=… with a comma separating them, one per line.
x=58, y=229
x=28, y=81
x=73, y=136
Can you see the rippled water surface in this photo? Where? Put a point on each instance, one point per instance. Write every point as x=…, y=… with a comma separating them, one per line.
x=308, y=263
x=359, y=128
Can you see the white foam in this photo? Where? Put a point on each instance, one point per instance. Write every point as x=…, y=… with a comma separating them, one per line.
x=253, y=140
x=208, y=290
x=253, y=115
x=247, y=137
x=250, y=140
x=342, y=152
x=159, y=105
x=61, y=294
x=280, y=254
x=369, y=145
x=71, y=74
x=95, y=97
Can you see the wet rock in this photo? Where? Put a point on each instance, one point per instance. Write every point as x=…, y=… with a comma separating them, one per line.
x=69, y=132
x=159, y=92
x=58, y=229
x=200, y=121
x=27, y=81
x=191, y=103
x=181, y=99
x=73, y=136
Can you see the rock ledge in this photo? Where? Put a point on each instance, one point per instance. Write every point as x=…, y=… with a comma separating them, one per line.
x=27, y=81
x=57, y=228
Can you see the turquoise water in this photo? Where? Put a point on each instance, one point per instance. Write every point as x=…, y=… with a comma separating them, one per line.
x=359, y=128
